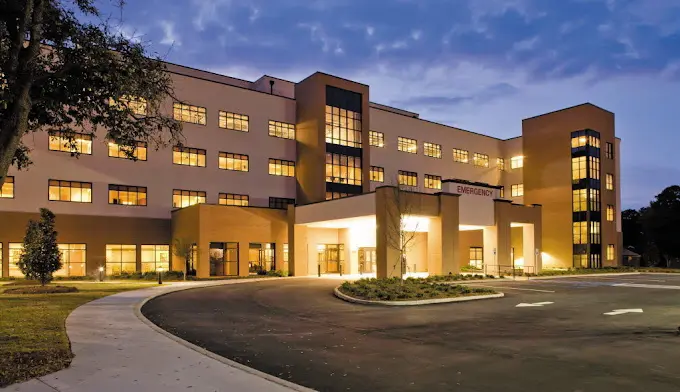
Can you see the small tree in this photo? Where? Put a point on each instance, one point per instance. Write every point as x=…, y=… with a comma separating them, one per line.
x=183, y=249
x=401, y=234
x=41, y=256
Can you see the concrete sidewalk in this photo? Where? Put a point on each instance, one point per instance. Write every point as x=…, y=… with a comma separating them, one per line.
x=115, y=350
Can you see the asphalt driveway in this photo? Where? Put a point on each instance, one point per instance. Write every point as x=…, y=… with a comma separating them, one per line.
x=558, y=339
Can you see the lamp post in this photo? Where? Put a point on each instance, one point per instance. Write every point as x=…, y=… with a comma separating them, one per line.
x=101, y=274
x=160, y=276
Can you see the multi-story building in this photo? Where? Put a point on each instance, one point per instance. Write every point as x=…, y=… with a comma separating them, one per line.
x=310, y=177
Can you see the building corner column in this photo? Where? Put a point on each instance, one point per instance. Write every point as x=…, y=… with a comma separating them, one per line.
x=387, y=232
x=449, y=219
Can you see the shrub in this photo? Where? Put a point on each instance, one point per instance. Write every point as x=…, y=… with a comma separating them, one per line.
x=279, y=273
x=391, y=289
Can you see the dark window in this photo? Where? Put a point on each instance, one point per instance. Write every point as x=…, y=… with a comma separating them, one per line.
x=280, y=203
x=344, y=99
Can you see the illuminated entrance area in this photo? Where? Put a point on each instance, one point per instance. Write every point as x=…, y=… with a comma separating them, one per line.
x=261, y=257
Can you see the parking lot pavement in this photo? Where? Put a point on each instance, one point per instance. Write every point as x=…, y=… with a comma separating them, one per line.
x=570, y=334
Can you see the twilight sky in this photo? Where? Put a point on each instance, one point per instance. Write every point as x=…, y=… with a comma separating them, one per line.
x=482, y=65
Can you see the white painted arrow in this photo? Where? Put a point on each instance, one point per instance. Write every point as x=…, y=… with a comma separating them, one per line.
x=617, y=312
x=525, y=305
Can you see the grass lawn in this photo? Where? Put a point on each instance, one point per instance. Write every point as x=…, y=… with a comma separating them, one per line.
x=33, y=339
x=411, y=289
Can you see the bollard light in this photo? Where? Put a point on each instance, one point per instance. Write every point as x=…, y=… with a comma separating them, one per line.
x=160, y=272
x=101, y=274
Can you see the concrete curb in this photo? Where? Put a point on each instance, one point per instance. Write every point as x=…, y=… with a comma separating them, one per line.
x=228, y=362
x=583, y=275
x=347, y=298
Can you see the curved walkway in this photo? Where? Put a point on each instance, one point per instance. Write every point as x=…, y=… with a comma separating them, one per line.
x=116, y=350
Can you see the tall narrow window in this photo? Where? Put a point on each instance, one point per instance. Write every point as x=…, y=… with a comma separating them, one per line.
x=595, y=232
x=121, y=259
x=231, y=161
x=610, y=213
x=578, y=169
x=461, y=156
x=377, y=174
x=376, y=139
x=343, y=127
x=594, y=167
x=611, y=252
x=182, y=198
x=73, y=260
x=408, y=178
x=125, y=152
x=580, y=232
x=609, y=182
x=189, y=113
x=516, y=162
x=127, y=195
x=234, y=121
x=72, y=142
x=407, y=145
x=72, y=191
x=433, y=182
x=155, y=257
x=594, y=199
x=231, y=199
x=343, y=169
x=580, y=200
x=281, y=129
x=609, y=150
x=280, y=167
x=188, y=156
x=432, y=150
x=481, y=160
x=517, y=190
x=15, y=251
x=500, y=164
x=7, y=189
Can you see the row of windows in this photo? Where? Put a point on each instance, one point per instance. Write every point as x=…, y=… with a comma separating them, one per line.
x=581, y=232
x=343, y=169
x=343, y=127
x=580, y=200
x=82, y=143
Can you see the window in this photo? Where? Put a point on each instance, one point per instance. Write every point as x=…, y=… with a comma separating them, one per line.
x=517, y=190
x=121, y=259
x=516, y=162
x=182, y=198
x=155, y=257
x=580, y=233
x=280, y=202
x=609, y=151
x=578, y=169
x=15, y=251
x=501, y=192
x=125, y=152
x=594, y=232
x=432, y=150
x=279, y=167
x=137, y=105
x=376, y=139
x=500, y=164
x=7, y=189
x=73, y=260
x=237, y=122
x=594, y=168
x=223, y=258
x=408, y=178
x=337, y=195
x=407, y=145
x=481, y=160
x=609, y=182
x=343, y=127
x=231, y=199
x=72, y=142
x=282, y=130
x=189, y=113
x=235, y=162
x=594, y=199
x=610, y=213
x=285, y=253
x=579, y=200
x=611, y=252
x=188, y=156
x=433, y=182
x=343, y=169
x=377, y=174
x=584, y=138
x=73, y=191
x=476, y=257
x=461, y=156
x=127, y=195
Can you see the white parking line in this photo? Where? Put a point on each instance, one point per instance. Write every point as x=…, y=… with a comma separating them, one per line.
x=647, y=286
x=511, y=288
x=624, y=279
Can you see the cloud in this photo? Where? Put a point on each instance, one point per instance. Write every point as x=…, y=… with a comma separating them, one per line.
x=526, y=44
x=318, y=34
x=169, y=35
x=207, y=11
x=416, y=34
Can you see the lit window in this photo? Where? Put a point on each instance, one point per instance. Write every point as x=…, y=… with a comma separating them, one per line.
x=501, y=192
x=73, y=191
x=580, y=200
x=433, y=182
x=235, y=162
x=516, y=162
x=594, y=232
x=189, y=113
x=223, y=258
x=481, y=160
x=609, y=182
x=343, y=127
x=155, y=257
x=280, y=203
x=476, y=257
x=594, y=199
x=609, y=151
x=7, y=188
x=461, y=156
x=121, y=259
x=517, y=190
x=15, y=252
x=234, y=121
x=73, y=260
x=280, y=167
x=580, y=233
x=127, y=195
x=500, y=164
x=579, y=141
x=376, y=139
x=432, y=150
x=127, y=152
x=594, y=167
x=377, y=174
x=610, y=213
x=188, y=156
x=578, y=169
x=230, y=199
x=282, y=130
x=343, y=169
x=72, y=142
x=285, y=253
x=611, y=252
x=337, y=195
x=408, y=178
x=182, y=198
x=136, y=105
x=407, y=145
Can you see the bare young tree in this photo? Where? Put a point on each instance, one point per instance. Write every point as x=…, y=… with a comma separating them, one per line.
x=402, y=228
x=184, y=249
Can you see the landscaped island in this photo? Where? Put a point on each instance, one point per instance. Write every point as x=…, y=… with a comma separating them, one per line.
x=411, y=289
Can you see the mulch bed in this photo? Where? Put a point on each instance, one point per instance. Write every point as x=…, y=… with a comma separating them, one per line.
x=40, y=290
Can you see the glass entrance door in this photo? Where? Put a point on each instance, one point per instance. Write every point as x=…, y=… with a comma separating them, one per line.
x=367, y=260
x=330, y=257
x=261, y=258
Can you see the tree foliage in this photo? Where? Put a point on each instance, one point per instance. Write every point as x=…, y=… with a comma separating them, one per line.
x=61, y=72
x=41, y=256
